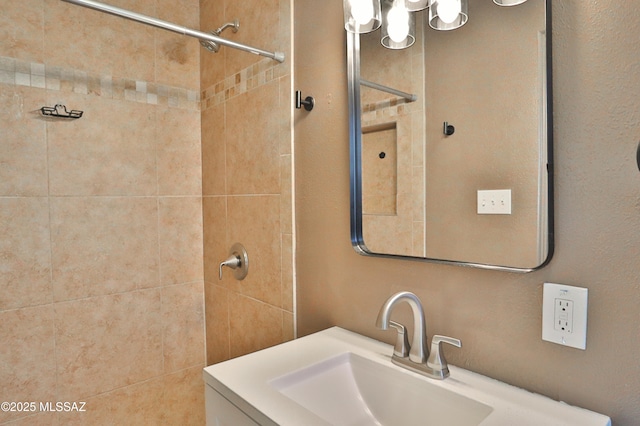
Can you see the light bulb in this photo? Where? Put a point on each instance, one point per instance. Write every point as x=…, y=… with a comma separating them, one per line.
x=449, y=10
x=362, y=11
x=398, y=23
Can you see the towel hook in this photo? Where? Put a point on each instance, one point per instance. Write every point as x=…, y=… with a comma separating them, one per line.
x=448, y=129
x=307, y=102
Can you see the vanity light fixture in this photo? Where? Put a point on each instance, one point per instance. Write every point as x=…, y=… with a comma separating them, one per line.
x=361, y=16
x=508, y=2
x=398, y=25
x=447, y=15
x=416, y=5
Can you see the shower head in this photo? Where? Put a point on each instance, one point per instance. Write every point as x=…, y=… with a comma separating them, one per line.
x=212, y=46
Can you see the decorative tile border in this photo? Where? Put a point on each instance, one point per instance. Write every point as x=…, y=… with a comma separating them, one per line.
x=22, y=73
x=389, y=108
x=241, y=82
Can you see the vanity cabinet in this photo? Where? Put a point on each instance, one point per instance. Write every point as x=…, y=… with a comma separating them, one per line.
x=220, y=412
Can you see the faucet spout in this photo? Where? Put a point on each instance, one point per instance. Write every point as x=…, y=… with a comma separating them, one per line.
x=418, y=352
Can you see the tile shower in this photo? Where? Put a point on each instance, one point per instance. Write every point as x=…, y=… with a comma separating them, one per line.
x=106, y=219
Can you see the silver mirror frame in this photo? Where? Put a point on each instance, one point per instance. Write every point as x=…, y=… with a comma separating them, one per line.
x=355, y=148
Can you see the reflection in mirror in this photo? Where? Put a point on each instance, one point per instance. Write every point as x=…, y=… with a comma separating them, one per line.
x=435, y=125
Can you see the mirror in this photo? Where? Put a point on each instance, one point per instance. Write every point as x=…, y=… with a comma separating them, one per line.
x=435, y=126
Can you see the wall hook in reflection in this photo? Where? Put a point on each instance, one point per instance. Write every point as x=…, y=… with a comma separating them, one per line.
x=307, y=102
x=448, y=129
x=61, y=112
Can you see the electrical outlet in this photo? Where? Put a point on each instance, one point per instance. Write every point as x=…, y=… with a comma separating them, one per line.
x=564, y=315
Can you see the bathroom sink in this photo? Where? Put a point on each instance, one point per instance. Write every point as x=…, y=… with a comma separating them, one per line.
x=351, y=390
x=336, y=377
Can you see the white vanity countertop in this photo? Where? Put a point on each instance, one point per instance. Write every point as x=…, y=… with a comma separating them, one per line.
x=245, y=382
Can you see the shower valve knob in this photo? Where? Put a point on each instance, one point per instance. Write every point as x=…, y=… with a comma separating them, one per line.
x=238, y=261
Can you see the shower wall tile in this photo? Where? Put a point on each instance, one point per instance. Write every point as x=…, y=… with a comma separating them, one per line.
x=213, y=151
x=23, y=151
x=108, y=44
x=93, y=252
x=212, y=64
x=107, y=342
x=255, y=222
x=183, y=322
x=257, y=29
x=25, y=260
x=39, y=419
x=217, y=323
x=183, y=398
x=177, y=59
x=247, y=178
x=87, y=159
x=216, y=247
x=179, y=160
x=286, y=99
x=21, y=30
x=287, y=272
x=254, y=325
x=286, y=200
x=179, y=171
x=136, y=404
x=253, y=152
x=178, y=56
x=27, y=369
x=185, y=13
x=83, y=313
x=174, y=399
x=180, y=237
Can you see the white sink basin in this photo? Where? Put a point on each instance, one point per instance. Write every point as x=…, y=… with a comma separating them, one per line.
x=336, y=377
x=350, y=390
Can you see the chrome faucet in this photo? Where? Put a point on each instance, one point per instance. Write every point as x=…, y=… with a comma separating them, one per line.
x=415, y=357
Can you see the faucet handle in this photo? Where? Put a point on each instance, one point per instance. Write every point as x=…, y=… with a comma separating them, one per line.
x=402, y=347
x=238, y=260
x=436, y=360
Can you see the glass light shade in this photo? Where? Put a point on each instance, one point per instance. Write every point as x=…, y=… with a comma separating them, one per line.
x=445, y=15
x=398, y=25
x=416, y=5
x=508, y=2
x=361, y=16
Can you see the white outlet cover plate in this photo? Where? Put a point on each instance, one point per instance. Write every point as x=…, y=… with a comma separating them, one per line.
x=577, y=337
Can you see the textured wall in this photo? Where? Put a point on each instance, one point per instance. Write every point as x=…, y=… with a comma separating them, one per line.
x=247, y=168
x=101, y=277
x=497, y=315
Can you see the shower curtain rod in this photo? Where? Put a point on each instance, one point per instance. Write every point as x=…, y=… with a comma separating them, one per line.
x=408, y=96
x=277, y=56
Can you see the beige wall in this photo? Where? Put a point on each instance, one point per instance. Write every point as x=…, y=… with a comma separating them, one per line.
x=497, y=315
x=101, y=277
x=247, y=172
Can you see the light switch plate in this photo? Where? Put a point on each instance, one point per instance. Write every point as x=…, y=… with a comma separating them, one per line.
x=495, y=201
x=564, y=315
